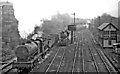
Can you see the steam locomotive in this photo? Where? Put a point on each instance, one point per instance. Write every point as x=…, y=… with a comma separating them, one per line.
x=31, y=52
x=63, y=38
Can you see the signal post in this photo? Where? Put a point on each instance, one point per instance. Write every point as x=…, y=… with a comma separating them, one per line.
x=72, y=28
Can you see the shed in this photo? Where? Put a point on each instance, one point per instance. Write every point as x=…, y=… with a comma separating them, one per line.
x=107, y=34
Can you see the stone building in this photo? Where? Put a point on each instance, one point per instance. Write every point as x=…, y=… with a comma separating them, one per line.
x=8, y=25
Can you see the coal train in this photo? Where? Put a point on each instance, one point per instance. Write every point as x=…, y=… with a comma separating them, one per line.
x=63, y=38
x=33, y=51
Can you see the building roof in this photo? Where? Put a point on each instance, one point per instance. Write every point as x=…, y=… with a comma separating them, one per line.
x=104, y=25
x=6, y=3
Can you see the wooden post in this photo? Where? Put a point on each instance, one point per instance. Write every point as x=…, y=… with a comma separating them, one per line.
x=74, y=24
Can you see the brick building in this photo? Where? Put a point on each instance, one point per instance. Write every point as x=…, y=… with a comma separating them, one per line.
x=107, y=34
x=9, y=33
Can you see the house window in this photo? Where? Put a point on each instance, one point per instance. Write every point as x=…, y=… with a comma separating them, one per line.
x=109, y=42
x=106, y=34
x=113, y=35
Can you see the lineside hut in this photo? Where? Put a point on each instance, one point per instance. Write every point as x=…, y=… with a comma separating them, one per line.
x=107, y=34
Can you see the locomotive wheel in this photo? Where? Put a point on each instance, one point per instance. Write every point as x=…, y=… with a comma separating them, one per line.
x=19, y=70
x=37, y=61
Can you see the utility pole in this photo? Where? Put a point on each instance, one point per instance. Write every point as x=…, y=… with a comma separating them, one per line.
x=111, y=20
x=99, y=20
x=74, y=18
x=98, y=30
x=74, y=24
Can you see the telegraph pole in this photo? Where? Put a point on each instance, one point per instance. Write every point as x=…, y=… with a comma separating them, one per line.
x=74, y=18
x=99, y=20
x=111, y=20
x=98, y=30
x=74, y=24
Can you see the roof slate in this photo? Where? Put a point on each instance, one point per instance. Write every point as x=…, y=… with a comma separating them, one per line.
x=102, y=26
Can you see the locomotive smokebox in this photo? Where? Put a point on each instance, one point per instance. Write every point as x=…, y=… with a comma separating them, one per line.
x=25, y=52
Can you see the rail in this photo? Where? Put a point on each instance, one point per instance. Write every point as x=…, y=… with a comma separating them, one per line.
x=6, y=64
x=103, y=57
x=109, y=67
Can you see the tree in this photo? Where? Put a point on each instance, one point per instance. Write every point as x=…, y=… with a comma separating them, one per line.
x=56, y=24
x=104, y=18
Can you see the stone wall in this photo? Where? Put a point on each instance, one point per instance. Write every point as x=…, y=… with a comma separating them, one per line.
x=10, y=34
x=119, y=21
x=0, y=28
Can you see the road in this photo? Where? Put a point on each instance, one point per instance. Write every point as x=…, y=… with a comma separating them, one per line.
x=81, y=56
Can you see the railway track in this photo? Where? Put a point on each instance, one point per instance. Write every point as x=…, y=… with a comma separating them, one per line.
x=13, y=70
x=79, y=57
x=113, y=61
x=68, y=62
x=53, y=66
x=54, y=62
x=6, y=67
x=94, y=59
x=100, y=61
x=83, y=56
x=75, y=59
x=107, y=64
x=90, y=65
x=58, y=62
x=87, y=61
x=79, y=65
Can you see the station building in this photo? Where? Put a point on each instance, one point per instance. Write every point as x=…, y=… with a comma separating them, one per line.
x=107, y=34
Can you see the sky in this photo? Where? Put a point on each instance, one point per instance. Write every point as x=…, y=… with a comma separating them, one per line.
x=30, y=12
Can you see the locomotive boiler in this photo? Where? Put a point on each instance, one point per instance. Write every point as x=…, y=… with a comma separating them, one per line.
x=29, y=53
x=28, y=50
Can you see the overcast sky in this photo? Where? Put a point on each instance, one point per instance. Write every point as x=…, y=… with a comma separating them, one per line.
x=30, y=12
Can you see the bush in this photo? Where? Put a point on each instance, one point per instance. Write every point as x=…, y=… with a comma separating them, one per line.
x=7, y=54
